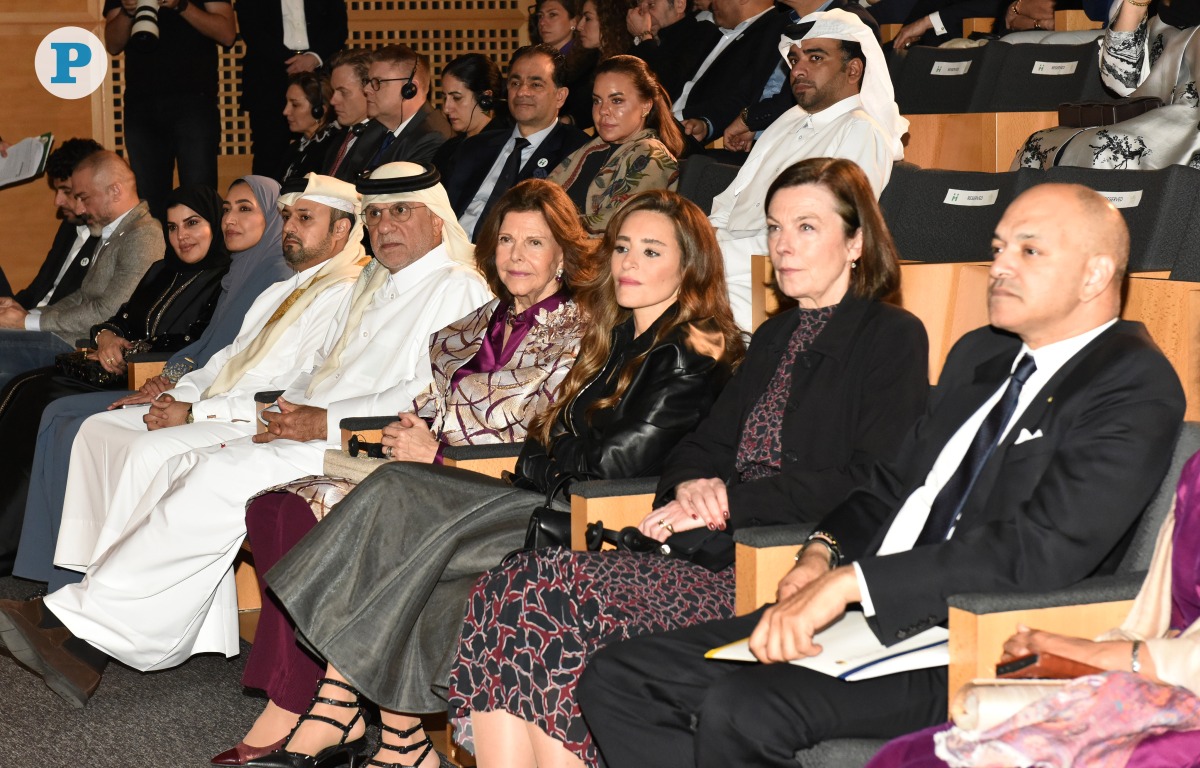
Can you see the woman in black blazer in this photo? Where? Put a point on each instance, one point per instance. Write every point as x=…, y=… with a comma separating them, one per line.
x=826, y=389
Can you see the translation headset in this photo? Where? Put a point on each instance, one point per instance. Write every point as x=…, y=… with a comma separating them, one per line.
x=484, y=101
x=409, y=90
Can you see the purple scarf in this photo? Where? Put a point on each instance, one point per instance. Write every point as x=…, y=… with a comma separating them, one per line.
x=494, y=353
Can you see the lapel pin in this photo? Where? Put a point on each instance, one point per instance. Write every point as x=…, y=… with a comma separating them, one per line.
x=1050, y=399
x=543, y=162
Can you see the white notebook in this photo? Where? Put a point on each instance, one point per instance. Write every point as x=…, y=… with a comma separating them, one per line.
x=852, y=652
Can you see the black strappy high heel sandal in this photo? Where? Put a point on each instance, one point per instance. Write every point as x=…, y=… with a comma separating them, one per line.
x=343, y=753
x=404, y=750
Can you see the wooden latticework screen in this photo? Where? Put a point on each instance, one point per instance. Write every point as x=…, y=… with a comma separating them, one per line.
x=441, y=29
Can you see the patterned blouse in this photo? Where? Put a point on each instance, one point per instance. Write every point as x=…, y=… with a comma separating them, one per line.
x=641, y=163
x=497, y=407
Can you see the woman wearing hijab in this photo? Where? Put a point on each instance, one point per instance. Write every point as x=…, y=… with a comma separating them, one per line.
x=1142, y=55
x=171, y=306
x=252, y=229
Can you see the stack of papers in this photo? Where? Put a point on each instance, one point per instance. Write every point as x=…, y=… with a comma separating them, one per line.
x=851, y=652
x=26, y=159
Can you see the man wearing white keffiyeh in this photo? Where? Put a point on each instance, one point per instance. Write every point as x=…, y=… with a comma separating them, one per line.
x=164, y=589
x=846, y=108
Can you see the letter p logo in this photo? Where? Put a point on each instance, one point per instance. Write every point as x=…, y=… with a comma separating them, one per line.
x=69, y=56
x=71, y=63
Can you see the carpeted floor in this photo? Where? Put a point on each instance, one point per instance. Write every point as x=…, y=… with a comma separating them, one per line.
x=180, y=717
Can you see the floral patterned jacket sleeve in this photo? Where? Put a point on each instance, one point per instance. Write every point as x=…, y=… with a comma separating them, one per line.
x=1125, y=59
x=643, y=162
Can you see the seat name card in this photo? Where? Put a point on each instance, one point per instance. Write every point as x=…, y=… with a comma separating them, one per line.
x=971, y=196
x=1055, y=67
x=1123, y=199
x=950, y=67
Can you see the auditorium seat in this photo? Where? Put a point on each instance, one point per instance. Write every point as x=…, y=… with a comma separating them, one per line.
x=942, y=80
x=1033, y=78
x=701, y=178
x=945, y=216
x=1161, y=208
x=615, y=503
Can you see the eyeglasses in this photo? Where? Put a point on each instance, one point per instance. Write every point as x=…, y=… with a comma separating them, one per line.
x=377, y=82
x=397, y=212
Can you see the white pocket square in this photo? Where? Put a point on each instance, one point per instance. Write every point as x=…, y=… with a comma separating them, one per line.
x=1025, y=436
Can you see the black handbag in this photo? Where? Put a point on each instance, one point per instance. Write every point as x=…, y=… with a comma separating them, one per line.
x=549, y=527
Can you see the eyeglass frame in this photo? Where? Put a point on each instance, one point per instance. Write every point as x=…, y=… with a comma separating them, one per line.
x=376, y=83
x=395, y=217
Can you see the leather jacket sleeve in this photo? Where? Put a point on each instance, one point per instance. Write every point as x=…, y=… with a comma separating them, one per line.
x=671, y=392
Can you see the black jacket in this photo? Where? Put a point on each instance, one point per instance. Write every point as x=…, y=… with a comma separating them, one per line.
x=41, y=285
x=855, y=393
x=1045, y=512
x=678, y=51
x=417, y=143
x=260, y=25
x=672, y=390
x=169, y=308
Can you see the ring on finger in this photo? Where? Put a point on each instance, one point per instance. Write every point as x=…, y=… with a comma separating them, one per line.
x=387, y=451
x=662, y=522
x=670, y=528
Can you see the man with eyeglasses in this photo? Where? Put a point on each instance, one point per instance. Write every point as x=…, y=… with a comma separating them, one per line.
x=163, y=590
x=403, y=127
x=488, y=164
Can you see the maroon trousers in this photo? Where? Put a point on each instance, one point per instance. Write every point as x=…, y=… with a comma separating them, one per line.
x=277, y=663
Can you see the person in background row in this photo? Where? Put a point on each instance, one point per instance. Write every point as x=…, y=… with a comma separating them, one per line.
x=470, y=97
x=636, y=145
x=602, y=35
x=129, y=240
x=670, y=40
x=169, y=111
x=71, y=252
x=282, y=39
x=308, y=116
x=348, y=73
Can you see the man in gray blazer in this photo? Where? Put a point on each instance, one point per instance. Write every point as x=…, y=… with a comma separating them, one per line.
x=130, y=240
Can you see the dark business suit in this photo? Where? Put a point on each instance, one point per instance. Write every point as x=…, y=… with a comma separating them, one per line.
x=417, y=143
x=860, y=386
x=1042, y=515
x=44, y=281
x=678, y=51
x=467, y=171
x=264, y=74
x=737, y=77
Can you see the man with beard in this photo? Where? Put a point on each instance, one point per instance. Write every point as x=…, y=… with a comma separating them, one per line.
x=71, y=252
x=845, y=107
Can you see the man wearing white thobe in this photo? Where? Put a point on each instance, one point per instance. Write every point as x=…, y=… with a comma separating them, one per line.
x=845, y=108
x=114, y=457
x=164, y=590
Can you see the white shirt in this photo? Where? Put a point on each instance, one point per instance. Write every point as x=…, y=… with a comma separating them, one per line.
x=81, y=235
x=386, y=363
x=727, y=37
x=295, y=33
x=295, y=350
x=842, y=130
x=33, y=320
x=906, y=527
x=475, y=208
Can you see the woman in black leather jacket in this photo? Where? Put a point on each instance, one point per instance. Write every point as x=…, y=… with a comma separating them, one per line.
x=379, y=588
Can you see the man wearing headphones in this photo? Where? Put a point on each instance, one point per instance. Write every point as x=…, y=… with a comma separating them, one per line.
x=170, y=110
x=348, y=73
x=403, y=126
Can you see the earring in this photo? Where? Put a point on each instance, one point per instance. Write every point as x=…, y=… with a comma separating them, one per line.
x=854, y=264
x=558, y=275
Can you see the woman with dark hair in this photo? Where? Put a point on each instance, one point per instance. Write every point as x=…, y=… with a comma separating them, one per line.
x=493, y=372
x=470, y=95
x=309, y=116
x=826, y=389
x=602, y=27
x=170, y=307
x=1146, y=52
x=636, y=145
x=379, y=588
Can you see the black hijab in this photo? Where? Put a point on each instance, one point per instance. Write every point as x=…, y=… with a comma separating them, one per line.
x=206, y=202
x=1180, y=13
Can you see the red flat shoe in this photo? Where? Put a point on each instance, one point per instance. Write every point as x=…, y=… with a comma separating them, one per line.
x=244, y=753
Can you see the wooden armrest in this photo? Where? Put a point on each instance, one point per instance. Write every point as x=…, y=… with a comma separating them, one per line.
x=983, y=25
x=758, y=571
x=1074, y=21
x=369, y=429
x=616, y=503
x=977, y=640
x=139, y=371
x=971, y=141
x=491, y=460
x=1170, y=310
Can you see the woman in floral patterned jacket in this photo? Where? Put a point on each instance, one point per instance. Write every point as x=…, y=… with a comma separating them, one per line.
x=636, y=145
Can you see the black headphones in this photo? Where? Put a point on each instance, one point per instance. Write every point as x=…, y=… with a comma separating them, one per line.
x=409, y=89
x=486, y=101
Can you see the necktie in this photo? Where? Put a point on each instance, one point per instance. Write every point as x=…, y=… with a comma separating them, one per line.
x=948, y=506
x=388, y=138
x=341, y=155
x=507, y=178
